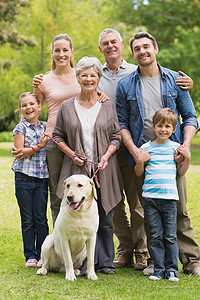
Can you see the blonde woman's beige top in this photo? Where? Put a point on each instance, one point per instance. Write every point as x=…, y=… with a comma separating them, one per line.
x=55, y=92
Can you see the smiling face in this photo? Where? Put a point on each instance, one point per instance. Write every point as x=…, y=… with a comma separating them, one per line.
x=62, y=53
x=111, y=47
x=144, y=51
x=30, y=109
x=163, y=131
x=88, y=79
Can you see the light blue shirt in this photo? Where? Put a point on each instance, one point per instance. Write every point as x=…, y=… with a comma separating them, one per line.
x=160, y=171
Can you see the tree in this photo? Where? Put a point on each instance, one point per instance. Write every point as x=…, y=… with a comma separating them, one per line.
x=8, y=13
x=176, y=27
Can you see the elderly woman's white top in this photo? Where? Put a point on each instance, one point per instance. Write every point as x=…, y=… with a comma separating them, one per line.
x=87, y=118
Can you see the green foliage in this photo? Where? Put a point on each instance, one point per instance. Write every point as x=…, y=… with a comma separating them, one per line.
x=6, y=136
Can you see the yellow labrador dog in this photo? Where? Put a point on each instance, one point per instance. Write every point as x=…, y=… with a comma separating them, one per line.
x=74, y=235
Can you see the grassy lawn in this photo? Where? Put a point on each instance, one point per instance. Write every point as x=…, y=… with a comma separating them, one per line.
x=18, y=282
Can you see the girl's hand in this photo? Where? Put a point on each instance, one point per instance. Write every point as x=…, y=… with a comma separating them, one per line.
x=37, y=79
x=43, y=140
x=102, y=97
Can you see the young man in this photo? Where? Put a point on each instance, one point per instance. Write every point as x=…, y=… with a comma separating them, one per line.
x=139, y=96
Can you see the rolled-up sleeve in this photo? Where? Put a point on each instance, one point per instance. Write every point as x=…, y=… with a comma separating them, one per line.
x=186, y=108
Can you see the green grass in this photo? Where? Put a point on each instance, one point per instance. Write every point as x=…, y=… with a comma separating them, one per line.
x=18, y=282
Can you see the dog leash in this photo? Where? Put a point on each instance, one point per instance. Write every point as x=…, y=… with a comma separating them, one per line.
x=73, y=155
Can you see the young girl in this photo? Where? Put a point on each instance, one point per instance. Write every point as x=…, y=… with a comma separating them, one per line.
x=31, y=183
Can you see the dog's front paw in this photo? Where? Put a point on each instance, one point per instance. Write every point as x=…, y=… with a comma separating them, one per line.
x=42, y=271
x=92, y=276
x=70, y=276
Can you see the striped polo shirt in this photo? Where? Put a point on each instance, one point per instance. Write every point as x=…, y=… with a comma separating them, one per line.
x=160, y=171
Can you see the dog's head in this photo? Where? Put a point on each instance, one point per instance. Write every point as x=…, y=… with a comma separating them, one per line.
x=79, y=191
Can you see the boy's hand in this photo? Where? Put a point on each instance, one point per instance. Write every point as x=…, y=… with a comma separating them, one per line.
x=184, y=151
x=144, y=156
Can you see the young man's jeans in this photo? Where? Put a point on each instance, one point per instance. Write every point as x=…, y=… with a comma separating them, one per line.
x=160, y=216
x=32, y=196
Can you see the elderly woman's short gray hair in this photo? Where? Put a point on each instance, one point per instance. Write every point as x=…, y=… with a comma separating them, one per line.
x=88, y=62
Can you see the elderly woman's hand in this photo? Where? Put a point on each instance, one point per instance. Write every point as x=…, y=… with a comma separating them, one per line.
x=78, y=161
x=103, y=163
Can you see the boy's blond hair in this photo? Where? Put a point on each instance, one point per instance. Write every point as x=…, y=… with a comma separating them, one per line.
x=164, y=115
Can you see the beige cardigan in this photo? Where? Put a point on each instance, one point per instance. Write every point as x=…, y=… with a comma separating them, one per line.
x=68, y=129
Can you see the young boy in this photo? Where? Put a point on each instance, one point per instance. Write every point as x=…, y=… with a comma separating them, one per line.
x=160, y=192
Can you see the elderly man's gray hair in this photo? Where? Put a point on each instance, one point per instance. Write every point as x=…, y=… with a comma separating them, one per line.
x=88, y=62
x=108, y=30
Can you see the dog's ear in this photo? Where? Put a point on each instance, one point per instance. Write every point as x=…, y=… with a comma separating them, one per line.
x=64, y=185
x=93, y=189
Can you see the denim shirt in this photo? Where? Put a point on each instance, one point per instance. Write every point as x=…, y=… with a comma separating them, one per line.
x=130, y=106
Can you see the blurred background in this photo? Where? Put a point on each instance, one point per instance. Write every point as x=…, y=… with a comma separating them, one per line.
x=27, y=28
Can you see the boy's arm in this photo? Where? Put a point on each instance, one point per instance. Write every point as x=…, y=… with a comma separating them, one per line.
x=139, y=168
x=143, y=158
x=184, y=166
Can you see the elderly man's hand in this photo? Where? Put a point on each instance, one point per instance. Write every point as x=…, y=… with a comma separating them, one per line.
x=184, y=82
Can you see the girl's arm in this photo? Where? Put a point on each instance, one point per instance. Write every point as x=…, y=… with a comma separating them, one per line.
x=26, y=152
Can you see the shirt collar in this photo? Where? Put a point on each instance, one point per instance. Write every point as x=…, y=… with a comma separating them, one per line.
x=122, y=66
x=162, y=72
x=32, y=125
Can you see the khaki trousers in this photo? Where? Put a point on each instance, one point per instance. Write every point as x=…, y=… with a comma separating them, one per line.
x=131, y=235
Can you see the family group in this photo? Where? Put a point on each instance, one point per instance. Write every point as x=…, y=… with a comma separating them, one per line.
x=137, y=123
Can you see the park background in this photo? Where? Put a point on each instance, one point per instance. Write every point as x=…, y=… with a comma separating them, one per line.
x=26, y=32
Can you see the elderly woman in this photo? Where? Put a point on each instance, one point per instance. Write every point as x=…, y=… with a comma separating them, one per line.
x=88, y=129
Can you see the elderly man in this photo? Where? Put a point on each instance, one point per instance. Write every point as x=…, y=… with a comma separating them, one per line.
x=139, y=96
x=131, y=235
